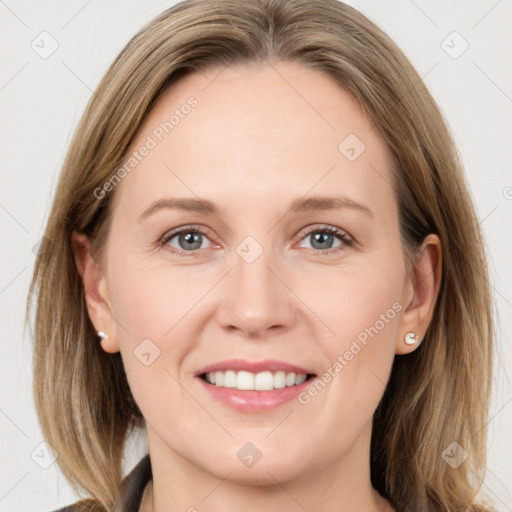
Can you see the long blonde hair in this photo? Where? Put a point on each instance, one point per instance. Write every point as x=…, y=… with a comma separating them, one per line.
x=437, y=395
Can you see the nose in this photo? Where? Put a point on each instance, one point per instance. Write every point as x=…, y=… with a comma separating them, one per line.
x=258, y=301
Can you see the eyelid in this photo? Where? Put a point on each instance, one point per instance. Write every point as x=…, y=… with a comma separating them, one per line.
x=328, y=228
x=194, y=228
x=346, y=239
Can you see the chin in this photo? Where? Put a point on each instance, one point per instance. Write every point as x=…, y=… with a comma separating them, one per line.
x=279, y=464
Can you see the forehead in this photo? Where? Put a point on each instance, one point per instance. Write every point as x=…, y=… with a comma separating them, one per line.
x=259, y=130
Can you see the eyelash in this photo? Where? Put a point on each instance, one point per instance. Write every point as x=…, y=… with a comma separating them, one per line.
x=342, y=235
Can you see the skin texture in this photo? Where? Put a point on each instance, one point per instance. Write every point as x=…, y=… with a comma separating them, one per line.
x=252, y=145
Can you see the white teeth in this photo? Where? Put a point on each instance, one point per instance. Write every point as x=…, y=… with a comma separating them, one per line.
x=300, y=379
x=230, y=379
x=264, y=381
x=279, y=380
x=247, y=381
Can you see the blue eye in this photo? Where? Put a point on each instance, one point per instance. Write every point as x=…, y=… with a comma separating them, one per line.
x=187, y=241
x=322, y=239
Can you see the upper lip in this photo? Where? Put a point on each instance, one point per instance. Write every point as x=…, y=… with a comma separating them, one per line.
x=270, y=365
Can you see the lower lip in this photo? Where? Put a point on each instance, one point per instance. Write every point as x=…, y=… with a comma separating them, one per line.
x=254, y=401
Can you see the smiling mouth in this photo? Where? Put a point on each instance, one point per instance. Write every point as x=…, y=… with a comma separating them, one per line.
x=261, y=381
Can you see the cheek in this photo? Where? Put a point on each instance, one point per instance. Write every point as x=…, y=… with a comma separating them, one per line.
x=154, y=308
x=150, y=307
x=153, y=300
x=162, y=312
x=361, y=307
x=355, y=297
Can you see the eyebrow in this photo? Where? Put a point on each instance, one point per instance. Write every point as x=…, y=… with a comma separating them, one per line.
x=298, y=205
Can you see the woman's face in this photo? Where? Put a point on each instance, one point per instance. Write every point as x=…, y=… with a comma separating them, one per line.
x=293, y=261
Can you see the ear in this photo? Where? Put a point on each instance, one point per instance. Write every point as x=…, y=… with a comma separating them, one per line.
x=420, y=293
x=96, y=293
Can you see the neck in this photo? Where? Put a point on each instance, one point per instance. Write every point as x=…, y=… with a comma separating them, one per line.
x=342, y=485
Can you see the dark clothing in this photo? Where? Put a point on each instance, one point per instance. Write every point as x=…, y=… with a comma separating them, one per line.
x=132, y=489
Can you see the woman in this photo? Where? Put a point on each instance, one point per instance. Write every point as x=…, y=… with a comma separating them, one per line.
x=262, y=251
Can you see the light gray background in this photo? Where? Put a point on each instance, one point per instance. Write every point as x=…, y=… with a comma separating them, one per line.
x=42, y=99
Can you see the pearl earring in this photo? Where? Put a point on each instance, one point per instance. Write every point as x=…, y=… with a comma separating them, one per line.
x=410, y=338
x=102, y=335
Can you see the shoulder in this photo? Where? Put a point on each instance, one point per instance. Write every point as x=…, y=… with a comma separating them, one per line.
x=130, y=495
